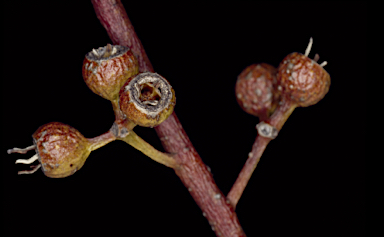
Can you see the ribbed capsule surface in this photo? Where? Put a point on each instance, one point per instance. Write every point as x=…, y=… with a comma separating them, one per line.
x=147, y=99
x=61, y=149
x=256, y=90
x=302, y=79
x=105, y=70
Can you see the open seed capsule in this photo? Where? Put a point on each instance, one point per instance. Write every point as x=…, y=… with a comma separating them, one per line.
x=147, y=99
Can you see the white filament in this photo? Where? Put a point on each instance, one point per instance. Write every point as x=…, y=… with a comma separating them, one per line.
x=29, y=161
x=309, y=47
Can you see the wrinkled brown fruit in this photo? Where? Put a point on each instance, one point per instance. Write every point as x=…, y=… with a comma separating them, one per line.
x=256, y=90
x=147, y=104
x=106, y=69
x=302, y=80
x=62, y=150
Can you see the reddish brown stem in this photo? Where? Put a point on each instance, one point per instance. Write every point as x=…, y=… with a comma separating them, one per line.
x=192, y=171
x=199, y=181
x=277, y=120
x=250, y=165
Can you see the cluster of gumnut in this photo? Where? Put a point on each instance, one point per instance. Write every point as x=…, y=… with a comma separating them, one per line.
x=147, y=99
x=144, y=99
x=272, y=94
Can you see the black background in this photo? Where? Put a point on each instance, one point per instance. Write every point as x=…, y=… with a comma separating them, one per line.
x=310, y=180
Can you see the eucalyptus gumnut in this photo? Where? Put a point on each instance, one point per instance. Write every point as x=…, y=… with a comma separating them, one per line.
x=147, y=99
x=106, y=69
x=256, y=90
x=61, y=149
x=302, y=80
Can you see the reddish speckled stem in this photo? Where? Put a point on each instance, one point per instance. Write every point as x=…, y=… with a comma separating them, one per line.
x=192, y=171
x=199, y=181
x=277, y=120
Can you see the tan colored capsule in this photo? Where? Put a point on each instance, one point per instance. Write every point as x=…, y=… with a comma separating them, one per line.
x=61, y=149
x=106, y=69
x=147, y=99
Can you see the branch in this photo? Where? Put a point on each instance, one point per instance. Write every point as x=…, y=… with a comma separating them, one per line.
x=297, y=91
x=192, y=171
x=277, y=120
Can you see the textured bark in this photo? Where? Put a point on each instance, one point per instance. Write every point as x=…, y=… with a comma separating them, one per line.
x=277, y=120
x=192, y=171
x=197, y=178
